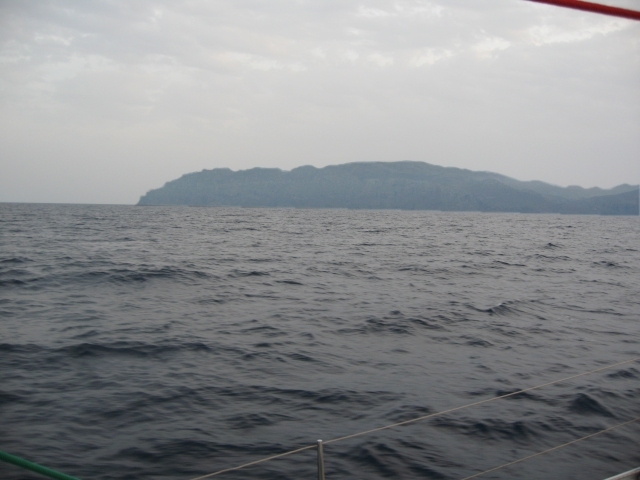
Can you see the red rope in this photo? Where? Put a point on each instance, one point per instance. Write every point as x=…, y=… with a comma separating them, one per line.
x=593, y=7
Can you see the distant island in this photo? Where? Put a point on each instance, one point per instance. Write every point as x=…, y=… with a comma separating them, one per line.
x=383, y=185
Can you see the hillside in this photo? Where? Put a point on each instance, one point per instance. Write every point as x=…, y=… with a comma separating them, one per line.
x=396, y=185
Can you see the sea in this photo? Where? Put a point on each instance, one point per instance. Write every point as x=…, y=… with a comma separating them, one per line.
x=172, y=342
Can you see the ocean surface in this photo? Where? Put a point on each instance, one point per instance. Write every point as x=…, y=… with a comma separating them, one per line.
x=170, y=342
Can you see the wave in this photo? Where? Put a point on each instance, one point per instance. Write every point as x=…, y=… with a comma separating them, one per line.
x=491, y=429
x=584, y=404
x=86, y=275
x=136, y=349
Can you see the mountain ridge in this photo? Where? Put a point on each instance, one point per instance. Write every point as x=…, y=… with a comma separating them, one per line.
x=381, y=185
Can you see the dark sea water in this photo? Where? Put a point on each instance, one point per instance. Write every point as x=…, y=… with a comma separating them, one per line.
x=169, y=342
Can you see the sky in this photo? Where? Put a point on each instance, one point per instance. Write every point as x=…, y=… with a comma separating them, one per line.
x=102, y=101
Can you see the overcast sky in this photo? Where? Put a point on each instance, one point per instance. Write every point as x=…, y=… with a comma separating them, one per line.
x=102, y=101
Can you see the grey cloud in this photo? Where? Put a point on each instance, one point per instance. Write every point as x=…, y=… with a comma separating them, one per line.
x=102, y=101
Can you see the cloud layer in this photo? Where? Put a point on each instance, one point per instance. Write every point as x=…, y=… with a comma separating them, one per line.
x=102, y=101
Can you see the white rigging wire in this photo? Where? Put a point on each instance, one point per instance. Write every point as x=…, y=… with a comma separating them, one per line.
x=552, y=449
x=437, y=414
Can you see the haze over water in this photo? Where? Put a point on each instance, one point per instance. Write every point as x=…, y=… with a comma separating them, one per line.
x=170, y=342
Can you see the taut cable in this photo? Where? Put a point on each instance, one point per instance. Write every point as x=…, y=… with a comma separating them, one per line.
x=255, y=462
x=455, y=409
x=552, y=449
x=437, y=414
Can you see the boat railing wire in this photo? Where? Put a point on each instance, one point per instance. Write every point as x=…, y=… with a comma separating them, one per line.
x=445, y=412
x=548, y=450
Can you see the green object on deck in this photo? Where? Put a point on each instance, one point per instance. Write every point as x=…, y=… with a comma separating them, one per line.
x=34, y=467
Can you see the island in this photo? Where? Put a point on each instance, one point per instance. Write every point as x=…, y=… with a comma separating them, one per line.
x=406, y=185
